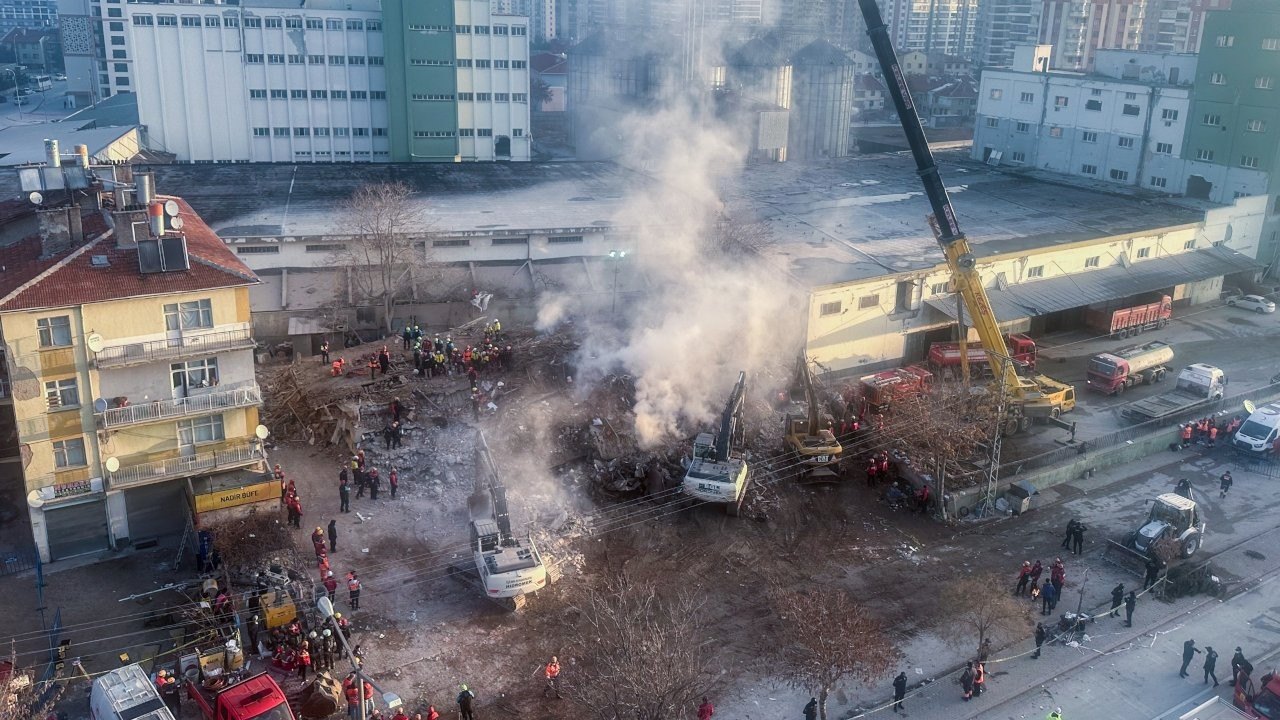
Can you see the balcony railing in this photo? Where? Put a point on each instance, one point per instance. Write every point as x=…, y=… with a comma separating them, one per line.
x=216, y=461
x=182, y=407
x=4, y=389
x=240, y=338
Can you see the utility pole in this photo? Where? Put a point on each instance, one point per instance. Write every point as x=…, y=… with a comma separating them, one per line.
x=617, y=256
x=393, y=701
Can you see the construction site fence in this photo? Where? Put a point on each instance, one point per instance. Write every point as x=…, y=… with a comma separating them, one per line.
x=1230, y=405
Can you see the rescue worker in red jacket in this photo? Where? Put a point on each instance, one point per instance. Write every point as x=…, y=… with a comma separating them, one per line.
x=330, y=585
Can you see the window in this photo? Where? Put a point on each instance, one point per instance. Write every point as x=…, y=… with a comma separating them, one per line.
x=115, y=40
x=359, y=132
x=1256, y=126
x=355, y=59
x=373, y=25
x=231, y=22
x=293, y=23
x=1144, y=252
x=296, y=59
x=996, y=93
x=455, y=242
x=1164, y=148
x=341, y=132
x=189, y=315
x=337, y=59
x=1125, y=142
x=201, y=373
x=1272, y=44
x=116, y=13
x=1092, y=261
x=483, y=97
x=275, y=59
x=327, y=248
x=1089, y=169
x=831, y=308
x=301, y=131
x=938, y=288
x=121, y=67
x=993, y=122
x=1264, y=82
x=1168, y=114
x=377, y=94
x=1093, y=105
x=1133, y=110
x=481, y=29
x=298, y=94
x=359, y=95
x=1019, y=157
x=69, y=453
x=142, y=20
x=1120, y=175
x=257, y=94
x=190, y=21
x=315, y=59
x=1226, y=40
x=54, y=331
x=1055, y=132
x=119, y=55
x=501, y=64
x=320, y=132
x=482, y=63
x=1210, y=119
x=376, y=60
x=1202, y=154
x=1060, y=101
x=1024, y=127
x=565, y=239
x=511, y=241
x=122, y=81
x=1089, y=136
x=1035, y=272
x=1095, y=92
x=279, y=94
x=1189, y=245
x=868, y=301
x=430, y=96
x=518, y=30
x=319, y=94
x=502, y=97
x=200, y=430
x=332, y=24
x=499, y=29
x=272, y=22
x=1131, y=96
x=261, y=132
x=520, y=97
x=280, y=132
x=253, y=58
x=62, y=394
x=519, y=64
x=353, y=24
x=315, y=24
x=1218, y=79
x=466, y=96
x=379, y=132
x=484, y=132
x=1157, y=181
x=338, y=94
x=211, y=21
x=466, y=132
x=462, y=29
x=463, y=62
x=167, y=20
x=1249, y=161
x=1027, y=97
x=432, y=133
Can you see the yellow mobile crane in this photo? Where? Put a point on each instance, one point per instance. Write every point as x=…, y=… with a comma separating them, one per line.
x=1025, y=398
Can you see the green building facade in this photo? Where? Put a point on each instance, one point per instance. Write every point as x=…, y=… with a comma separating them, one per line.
x=418, y=37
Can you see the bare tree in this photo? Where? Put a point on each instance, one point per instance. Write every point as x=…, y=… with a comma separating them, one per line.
x=22, y=697
x=733, y=235
x=937, y=429
x=981, y=608
x=386, y=248
x=826, y=638
x=641, y=656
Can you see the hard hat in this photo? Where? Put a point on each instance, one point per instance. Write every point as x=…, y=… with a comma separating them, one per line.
x=330, y=574
x=313, y=634
x=327, y=632
x=337, y=616
x=163, y=673
x=464, y=687
x=319, y=529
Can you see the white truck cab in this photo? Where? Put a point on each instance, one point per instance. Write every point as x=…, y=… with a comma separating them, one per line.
x=1259, y=432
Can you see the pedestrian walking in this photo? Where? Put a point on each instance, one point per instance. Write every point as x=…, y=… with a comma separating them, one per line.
x=330, y=585
x=465, y=700
x=1024, y=576
x=811, y=709
x=1189, y=651
x=1210, y=662
x=899, y=691
x=1046, y=598
x=1077, y=539
x=394, y=481
x=1040, y=638
x=333, y=536
x=1239, y=665
x=966, y=680
x=1130, y=602
x=706, y=710
x=344, y=497
x=553, y=677
x=1117, y=599
x=1224, y=484
x=353, y=590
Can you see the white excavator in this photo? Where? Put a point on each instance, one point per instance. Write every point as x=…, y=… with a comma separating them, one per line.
x=507, y=567
x=716, y=473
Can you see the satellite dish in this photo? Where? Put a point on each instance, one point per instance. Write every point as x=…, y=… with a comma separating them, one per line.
x=113, y=464
x=261, y=432
x=93, y=341
x=35, y=198
x=170, y=208
x=100, y=405
x=33, y=499
x=176, y=223
x=1249, y=407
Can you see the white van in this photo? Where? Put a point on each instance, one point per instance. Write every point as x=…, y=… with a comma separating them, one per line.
x=126, y=693
x=1259, y=432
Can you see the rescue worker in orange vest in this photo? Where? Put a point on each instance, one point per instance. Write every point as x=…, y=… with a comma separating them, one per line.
x=400, y=715
x=432, y=713
x=353, y=697
x=553, y=677
x=979, y=678
x=1186, y=436
x=353, y=590
x=1213, y=435
x=330, y=585
x=335, y=370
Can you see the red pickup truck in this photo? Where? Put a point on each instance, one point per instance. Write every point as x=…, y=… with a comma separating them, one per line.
x=1258, y=703
x=254, y=698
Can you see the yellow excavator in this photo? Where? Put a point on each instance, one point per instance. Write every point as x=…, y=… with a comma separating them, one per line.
x=809, y=441
x=1025, y=398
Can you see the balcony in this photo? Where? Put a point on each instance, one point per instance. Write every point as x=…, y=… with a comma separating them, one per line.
x=4, y=389
x=182, y=407
x=125, y=354
x=180, y=467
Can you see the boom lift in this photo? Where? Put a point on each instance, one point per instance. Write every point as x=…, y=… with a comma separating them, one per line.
x=811, y=444
x=1024, y=398
x=715, y=472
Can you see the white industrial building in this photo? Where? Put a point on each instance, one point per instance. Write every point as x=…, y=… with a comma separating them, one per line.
x=1124, y=123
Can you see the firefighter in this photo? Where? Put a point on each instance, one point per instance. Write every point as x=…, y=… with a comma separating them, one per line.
x=553, y=677
x=353, y=590
x=304, y=660
x=330, y=585
x=317, y=541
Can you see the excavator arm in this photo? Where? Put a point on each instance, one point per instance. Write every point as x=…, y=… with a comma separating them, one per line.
x=960, y=259
x=810, y=399
x=731, y=418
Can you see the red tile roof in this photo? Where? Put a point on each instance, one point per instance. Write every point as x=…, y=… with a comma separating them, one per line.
x=29, y=282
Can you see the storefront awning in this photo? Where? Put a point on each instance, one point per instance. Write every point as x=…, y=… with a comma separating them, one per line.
x=1042, y=297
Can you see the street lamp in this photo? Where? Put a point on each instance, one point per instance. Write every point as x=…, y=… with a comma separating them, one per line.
x=393, y=701
x=617, y=256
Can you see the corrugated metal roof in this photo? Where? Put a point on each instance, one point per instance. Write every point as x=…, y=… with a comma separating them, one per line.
x=1061, y=293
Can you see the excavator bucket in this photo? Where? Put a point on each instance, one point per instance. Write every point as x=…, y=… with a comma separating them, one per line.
x=1125, y=558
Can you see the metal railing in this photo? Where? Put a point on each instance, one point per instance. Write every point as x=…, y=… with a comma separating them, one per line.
x=240, y=338
x=4, y=388
x=180, y=407
x=218, y=460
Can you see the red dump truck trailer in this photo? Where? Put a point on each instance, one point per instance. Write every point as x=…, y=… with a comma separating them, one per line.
x=944, y=357
x=1151, y=313
x=1115, y=372
x=877, y=391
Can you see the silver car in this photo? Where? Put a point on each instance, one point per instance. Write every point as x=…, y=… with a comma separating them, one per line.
x=1256, y=303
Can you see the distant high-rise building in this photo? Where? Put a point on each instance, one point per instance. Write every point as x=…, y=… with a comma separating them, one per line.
x=27, y=14
x=1076, y=28
x=1177, y=25
x=1003, y=25
x=932, y=26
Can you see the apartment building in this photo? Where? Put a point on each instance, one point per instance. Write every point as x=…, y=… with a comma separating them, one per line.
x=1077, y=29
x=129, y=356
x=1122, y=124
x=1177, y=25
x=1003, y=25
x=33, y=14
x=932, y=26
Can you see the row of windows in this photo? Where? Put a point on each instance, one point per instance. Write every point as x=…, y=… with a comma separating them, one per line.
x=1272, y=44
x=55, y=331
x=1117, y=175
x=496, y=97
x=70, y=453
x=1260, y=82
x=433, y=96
x=486, y=132
x=484, y=29
x=254, y=22
x=318, y=132
x=1246, y=161
x=279, y=59
x=263, y=94
x=500, y=64
x=422, y=61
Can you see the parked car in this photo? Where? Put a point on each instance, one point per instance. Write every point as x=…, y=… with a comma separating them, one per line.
x=1256, y=303
x=26, y=91
x=59, y=77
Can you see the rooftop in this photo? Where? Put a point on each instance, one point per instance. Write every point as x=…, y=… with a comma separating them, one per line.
x=24, y=144
x=24, y=36
x=119, y=109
